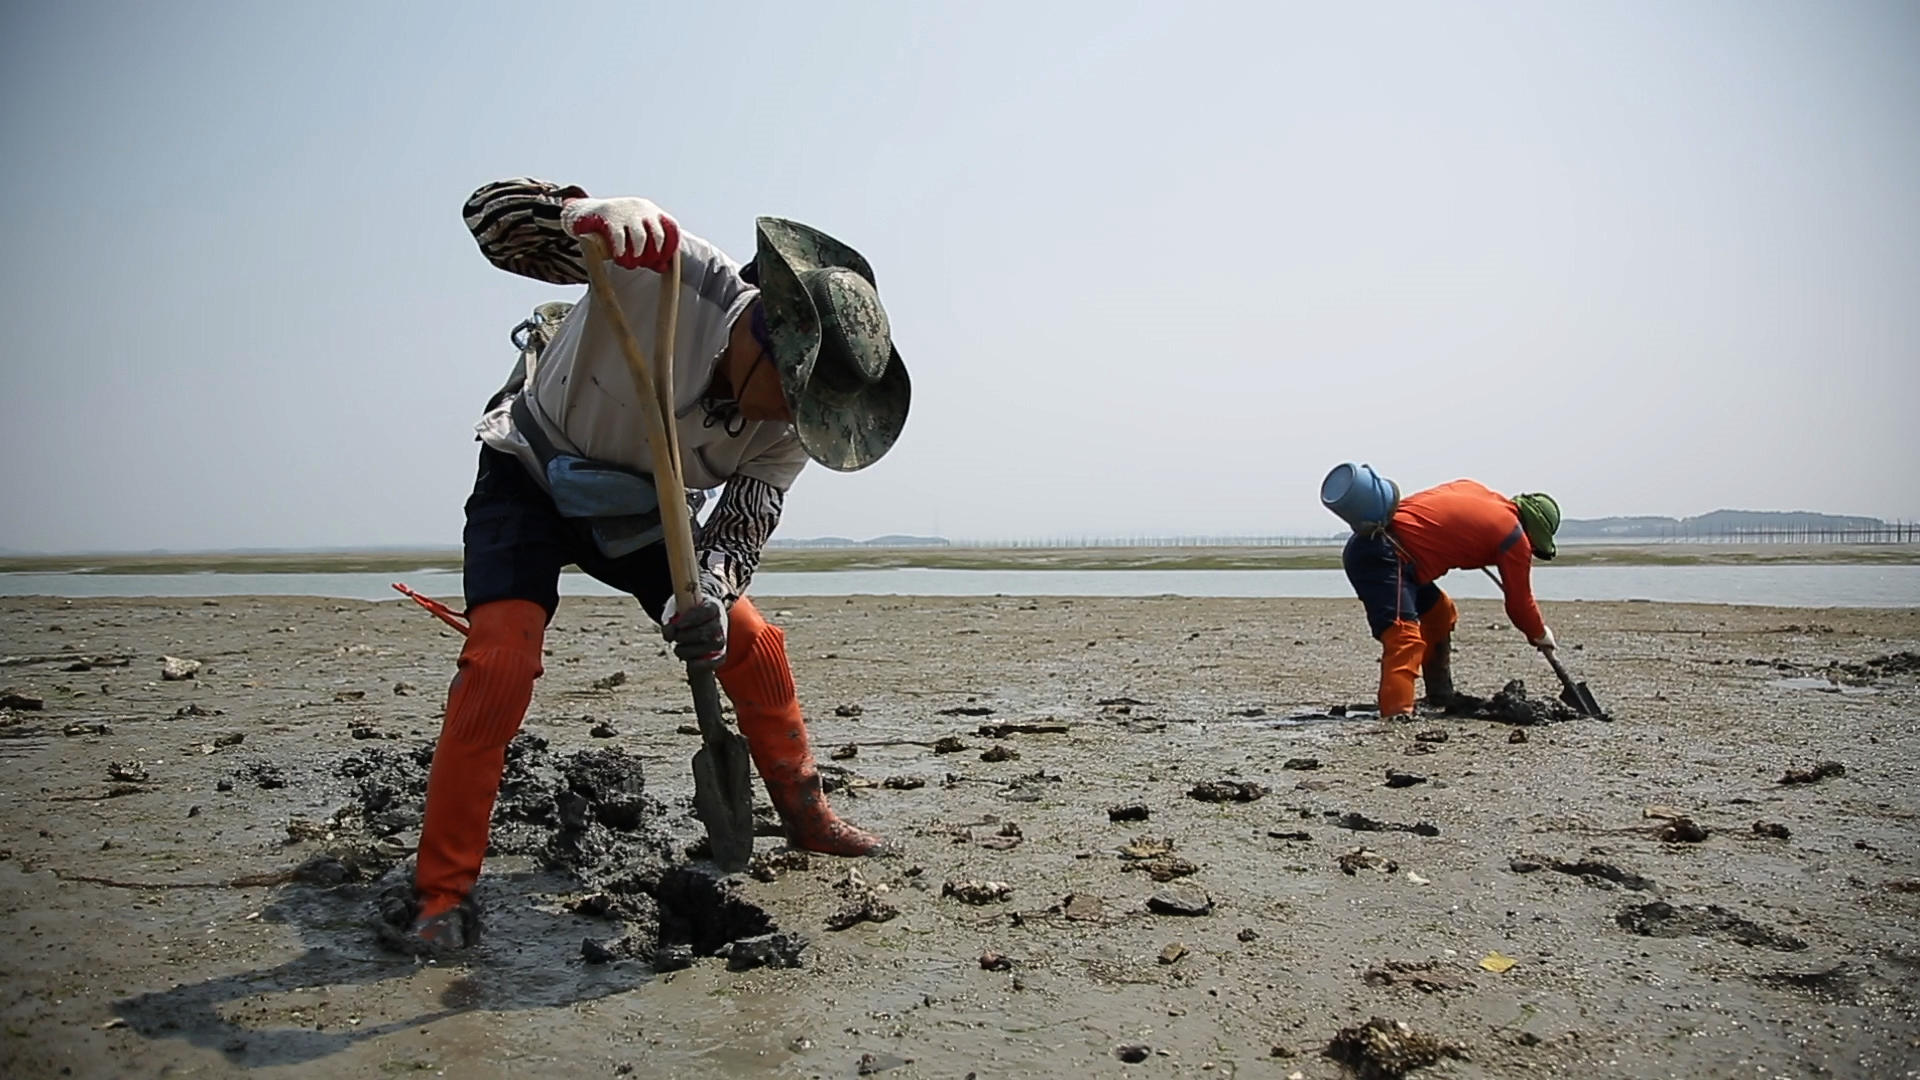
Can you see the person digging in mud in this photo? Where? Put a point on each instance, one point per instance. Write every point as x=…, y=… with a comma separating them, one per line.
x=1460, y=525
x=786, y=359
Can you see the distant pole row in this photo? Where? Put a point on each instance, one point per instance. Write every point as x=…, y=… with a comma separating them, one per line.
x=1894, y=532
x=1331, y=539
x=1897, y=532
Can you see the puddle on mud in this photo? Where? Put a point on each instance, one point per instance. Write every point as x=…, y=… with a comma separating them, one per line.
x=1306, y=716
x=1664, y=920
x=1825, y=686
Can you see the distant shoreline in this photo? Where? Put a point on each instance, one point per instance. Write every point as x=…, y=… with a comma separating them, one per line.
x=803, y=560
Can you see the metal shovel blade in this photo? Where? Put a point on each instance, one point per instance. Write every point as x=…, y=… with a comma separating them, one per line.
x=722, y=783
x=1575, y=695
x=1580, y=699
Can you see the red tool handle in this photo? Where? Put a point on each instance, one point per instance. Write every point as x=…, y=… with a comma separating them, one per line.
x=440, y=611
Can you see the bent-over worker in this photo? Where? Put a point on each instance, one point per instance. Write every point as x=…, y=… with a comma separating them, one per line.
x=1460, y=525
x=788, y=359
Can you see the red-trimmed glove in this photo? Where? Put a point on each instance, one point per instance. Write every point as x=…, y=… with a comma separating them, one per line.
x=1544, y=642
x=639, y=235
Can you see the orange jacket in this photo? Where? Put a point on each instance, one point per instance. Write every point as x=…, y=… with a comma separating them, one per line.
x=1465, y=525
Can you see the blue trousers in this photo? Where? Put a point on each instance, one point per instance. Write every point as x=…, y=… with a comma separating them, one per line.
x=1385, y=582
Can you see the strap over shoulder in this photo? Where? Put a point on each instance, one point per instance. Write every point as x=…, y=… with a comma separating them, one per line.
x=532, y=336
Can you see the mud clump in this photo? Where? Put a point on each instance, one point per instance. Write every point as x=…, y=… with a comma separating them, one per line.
x=1162, y=868
x=1426, y=976
x=1814, y=775
x=1221, y=791
x=1183, y=902
x=978, y=892
x=1130, y=812
x=863, y=903
x=1878, y=669
x=1682, y=830
x=764, y=950
x=1598, y=874
x=1772, y=829
x=1001, y=731
x=770, y=865
x=610, y=784
x=1383, y=1049
x=262, y=775
x=1665, y=920
x=1147, y=847
x=1360, y=859
x=1358, y=822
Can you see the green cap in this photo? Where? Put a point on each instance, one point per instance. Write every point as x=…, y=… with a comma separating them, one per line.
x=1540, y=517
x=831, y=343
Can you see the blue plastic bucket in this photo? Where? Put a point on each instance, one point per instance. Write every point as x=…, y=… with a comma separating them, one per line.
x=1361, y=497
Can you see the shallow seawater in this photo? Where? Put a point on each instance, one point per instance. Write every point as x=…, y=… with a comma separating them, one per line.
x=1782, y=586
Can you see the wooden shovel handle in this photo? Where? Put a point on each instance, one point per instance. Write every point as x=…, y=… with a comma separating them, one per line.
x=662, y=442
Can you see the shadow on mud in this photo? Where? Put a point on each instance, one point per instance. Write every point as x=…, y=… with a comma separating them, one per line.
x=584, y=897
x=529, y=959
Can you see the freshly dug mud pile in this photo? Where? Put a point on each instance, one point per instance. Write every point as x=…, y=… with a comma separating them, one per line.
x=586, y=813
x=188, y=863
x=1510, y=705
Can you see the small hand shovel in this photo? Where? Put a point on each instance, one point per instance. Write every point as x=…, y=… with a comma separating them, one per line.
x=722, y=786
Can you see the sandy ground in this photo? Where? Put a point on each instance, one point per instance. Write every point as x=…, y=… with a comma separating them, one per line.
x=135, y=945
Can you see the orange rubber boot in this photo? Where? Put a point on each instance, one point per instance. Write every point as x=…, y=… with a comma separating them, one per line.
x=1400, y=652
x=488, y=700
x=1436, y=666
x=759, y=682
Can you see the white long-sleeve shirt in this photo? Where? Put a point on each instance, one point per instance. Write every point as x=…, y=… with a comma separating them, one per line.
x=585, y=398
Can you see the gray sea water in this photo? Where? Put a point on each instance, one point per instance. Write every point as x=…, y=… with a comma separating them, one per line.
x=1788, y=586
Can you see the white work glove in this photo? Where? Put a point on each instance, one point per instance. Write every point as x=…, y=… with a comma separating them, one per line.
x=1545, y=641
x=638, y=234
x=699, y=635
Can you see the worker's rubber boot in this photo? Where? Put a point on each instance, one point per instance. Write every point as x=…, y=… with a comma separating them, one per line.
x=1436, y=670
x=1436, y=667
x=488, y=700
x=1400, y=651
x=759, y=682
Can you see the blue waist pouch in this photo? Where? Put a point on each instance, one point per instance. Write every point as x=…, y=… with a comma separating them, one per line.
x=622, y=506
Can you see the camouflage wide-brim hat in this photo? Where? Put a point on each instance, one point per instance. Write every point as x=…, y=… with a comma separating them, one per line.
x=831, y=343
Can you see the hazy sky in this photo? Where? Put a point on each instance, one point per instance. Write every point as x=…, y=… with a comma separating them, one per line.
x=1154, y=269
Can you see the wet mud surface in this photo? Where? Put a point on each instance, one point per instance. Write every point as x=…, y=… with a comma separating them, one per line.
x=1134, y=836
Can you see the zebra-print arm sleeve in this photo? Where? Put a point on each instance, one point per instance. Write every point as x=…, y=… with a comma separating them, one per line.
x=737, y=531
x=517, y=224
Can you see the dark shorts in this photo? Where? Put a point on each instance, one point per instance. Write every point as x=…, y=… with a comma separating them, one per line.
x=1386, y=582
x=517, y=543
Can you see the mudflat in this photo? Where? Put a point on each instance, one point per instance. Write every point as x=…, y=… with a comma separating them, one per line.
x=1134, y=836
